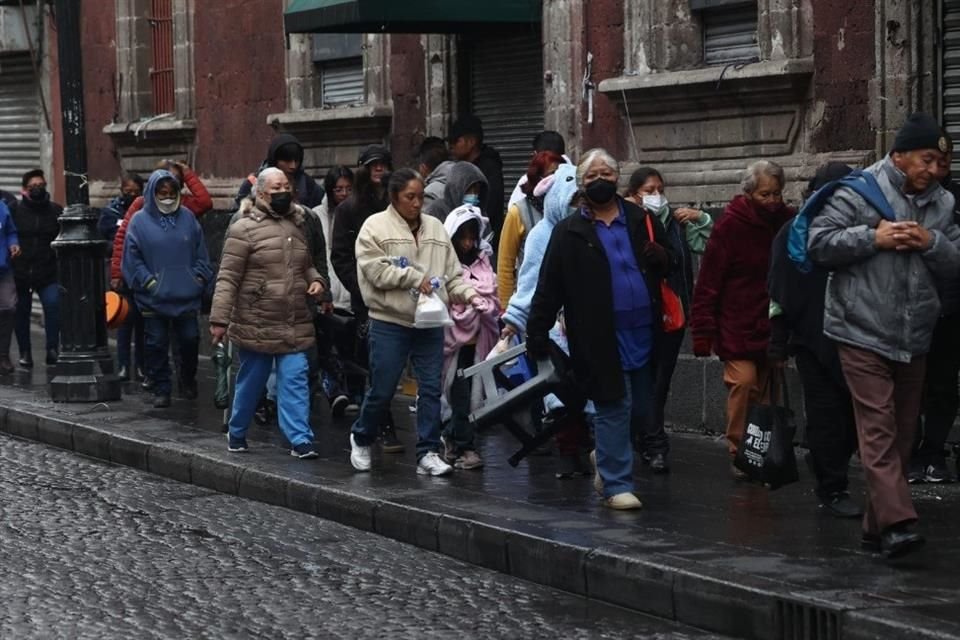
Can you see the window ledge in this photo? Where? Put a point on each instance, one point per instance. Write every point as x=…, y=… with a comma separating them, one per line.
x=160, y=130
x=713, y=80
x=334, y=116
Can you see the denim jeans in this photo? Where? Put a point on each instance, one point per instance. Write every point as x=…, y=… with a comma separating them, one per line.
x=132, y=327
x=50, y=299
x=391, y=345
x=293, y=402
x=612, y=430
x=157, y=330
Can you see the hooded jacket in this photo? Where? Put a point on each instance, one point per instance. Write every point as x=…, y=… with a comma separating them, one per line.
x=165, y=259
x=8, y=237
x=391, y=262
x=265, y=270
x=885, y=302
x=435, y=183
x=731, y=306
x=460, y=177
x=309, y=193
x=556, y=207
x=339, y=295
x=490, y=163
x=351, y=214
x=38, y=224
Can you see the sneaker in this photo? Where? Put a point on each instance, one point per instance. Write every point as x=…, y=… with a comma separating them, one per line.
x=52, y=356
x=161, y=402
x=469, y=460
x=339, y=405
x=658, y=463
x=236, y=445
x=432, y=465
x=412, y=408
x=146, y=384
x=842, y=506
x=304, y=451
x=352, y=409
x=916, y=472
x=623, y=502
x=359, y=456
x=450, y=453
x=389, y=441
x=26, y=361
x=937, y=472
x=597, y=479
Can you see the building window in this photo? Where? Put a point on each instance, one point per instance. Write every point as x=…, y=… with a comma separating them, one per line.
x=729, y=31
x=162, y=82
x=338, y=61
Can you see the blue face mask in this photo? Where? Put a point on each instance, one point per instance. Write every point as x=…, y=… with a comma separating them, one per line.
x=471, y=199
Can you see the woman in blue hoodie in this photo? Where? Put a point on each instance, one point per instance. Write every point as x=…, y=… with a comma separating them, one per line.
x=165, y=264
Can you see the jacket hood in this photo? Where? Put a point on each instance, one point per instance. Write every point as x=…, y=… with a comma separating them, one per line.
x=441, y=174
x=276, y=143
x=743, y=209
x=461, y=176
x=556, y=203
x=463, y=214
x=150, y=195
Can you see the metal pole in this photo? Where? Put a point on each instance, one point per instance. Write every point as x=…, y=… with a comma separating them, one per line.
x=71, y=97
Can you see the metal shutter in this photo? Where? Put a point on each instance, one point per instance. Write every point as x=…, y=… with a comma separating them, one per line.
x=950, y=81
x=342, y=82
x=730, y=35
x=506, y=93
x=19, y=120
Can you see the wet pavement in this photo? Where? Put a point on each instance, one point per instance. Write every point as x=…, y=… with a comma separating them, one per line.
x=706, y=550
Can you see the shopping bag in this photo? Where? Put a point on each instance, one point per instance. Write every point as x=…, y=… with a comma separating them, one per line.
x=221, y=365
x=431, y=312
x=766, y=452
x=670, y=303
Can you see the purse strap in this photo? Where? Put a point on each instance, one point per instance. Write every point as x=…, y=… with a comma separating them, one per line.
x=649, y=227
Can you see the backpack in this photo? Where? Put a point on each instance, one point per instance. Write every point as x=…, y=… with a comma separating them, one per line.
x=529, y=216
x=861, y=182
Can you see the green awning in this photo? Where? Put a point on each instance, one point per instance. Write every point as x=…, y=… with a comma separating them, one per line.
x=409, y=16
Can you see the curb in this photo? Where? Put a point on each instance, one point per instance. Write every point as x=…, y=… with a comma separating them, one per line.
x=668, y=587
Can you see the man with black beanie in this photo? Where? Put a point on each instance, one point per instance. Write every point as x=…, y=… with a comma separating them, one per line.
x=881, y=308
x=466, y=145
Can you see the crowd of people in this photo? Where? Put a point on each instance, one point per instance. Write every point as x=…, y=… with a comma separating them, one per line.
x=321, y=285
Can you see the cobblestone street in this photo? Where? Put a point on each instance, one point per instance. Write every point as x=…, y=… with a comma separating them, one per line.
x=93, y=550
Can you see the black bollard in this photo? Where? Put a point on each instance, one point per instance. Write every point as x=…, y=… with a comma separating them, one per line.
x=84, y=370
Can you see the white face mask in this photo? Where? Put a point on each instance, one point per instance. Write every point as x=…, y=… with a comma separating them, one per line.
x=655, y=202
x=168, y=205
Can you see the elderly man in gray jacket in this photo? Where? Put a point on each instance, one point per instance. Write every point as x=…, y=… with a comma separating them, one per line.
x=881, y=308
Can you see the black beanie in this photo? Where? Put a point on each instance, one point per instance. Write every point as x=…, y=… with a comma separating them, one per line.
x=921, y=131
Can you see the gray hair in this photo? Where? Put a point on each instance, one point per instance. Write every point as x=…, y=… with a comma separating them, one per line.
x=592, y=156
x=262, y=178
x=762, y=168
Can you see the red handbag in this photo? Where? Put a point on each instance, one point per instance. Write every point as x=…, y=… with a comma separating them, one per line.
x=671, y=305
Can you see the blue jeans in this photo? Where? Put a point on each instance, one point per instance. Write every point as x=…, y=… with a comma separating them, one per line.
x=293, y=395
x=391, y=345
x=132, y=327
x=157, y=330
x=612, y=431
x=50, y=299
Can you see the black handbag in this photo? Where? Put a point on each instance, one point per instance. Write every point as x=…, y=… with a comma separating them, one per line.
x=766, y=452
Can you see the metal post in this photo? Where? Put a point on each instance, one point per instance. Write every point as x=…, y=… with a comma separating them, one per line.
x=84, y=370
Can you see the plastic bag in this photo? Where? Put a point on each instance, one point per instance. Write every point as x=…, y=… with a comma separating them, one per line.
x=221, y=364
x=431, y=313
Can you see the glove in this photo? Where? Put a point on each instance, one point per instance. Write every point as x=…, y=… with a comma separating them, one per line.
x=538, y=347
x=655, y=257
x=702, y=346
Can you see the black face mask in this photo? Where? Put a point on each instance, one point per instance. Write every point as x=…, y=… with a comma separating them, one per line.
x=126, y=199
x=280, y=202
x=37, y=194
x=601, y=191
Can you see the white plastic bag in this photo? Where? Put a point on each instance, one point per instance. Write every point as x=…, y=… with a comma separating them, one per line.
x=431, y=313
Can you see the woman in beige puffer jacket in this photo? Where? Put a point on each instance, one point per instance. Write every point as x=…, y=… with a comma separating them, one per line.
x=260, y=304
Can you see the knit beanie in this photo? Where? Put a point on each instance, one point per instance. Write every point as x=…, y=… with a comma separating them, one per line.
x=921, y=131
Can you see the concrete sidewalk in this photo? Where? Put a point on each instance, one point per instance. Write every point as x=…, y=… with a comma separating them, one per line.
x=706, y=551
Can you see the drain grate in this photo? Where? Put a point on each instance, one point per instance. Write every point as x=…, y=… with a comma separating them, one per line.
x=798, y=621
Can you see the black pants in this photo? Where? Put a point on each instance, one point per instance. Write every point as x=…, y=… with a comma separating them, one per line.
x=942, y=398
x=651, y=436
x=831, y=429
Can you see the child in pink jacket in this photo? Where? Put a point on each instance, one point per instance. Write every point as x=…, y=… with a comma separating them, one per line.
x=474, y=333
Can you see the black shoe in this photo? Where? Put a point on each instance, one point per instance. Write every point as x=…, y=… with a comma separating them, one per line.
x=26, y=362
x=52, y=356
x=339, y=405
x=841, y=505
x=188, y=390
x=870, y=542
x=898, y=541
x=140, y=376
x=571, y=466
x=916, y=472
x=304, y=451
x=389, y=441
x=658, y=464
x=123, y=373
x=161, y=402
x=937, y=472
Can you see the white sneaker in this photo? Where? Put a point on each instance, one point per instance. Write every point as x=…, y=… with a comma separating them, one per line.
x=432, y=465
x=623, y=502
x=359, y=456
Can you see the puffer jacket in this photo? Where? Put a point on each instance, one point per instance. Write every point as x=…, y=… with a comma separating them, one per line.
x=261, y=294
x=38, y=224
x=885, y=302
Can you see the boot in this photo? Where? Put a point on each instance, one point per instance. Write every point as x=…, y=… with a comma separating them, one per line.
x=6, y=332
